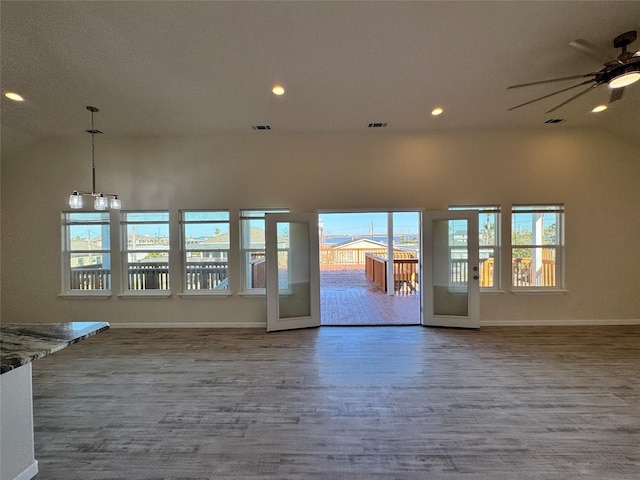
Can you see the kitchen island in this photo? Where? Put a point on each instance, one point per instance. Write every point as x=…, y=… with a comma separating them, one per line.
x=20, y=345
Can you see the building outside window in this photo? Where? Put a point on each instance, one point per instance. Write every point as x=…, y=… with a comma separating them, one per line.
x=489, y=243
x=86, y=252
x=537, y=246
x=146, y=250
x=252, y=249
x=205, y=250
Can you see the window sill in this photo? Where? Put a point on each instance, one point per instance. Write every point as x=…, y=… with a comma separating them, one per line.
x=253, y=294
x=86, y=294
x=491, y=292
x=540, y=291
x=205, y=294
x=146, y=294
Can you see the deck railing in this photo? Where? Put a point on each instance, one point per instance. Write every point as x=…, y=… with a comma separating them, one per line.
x=212, y=275
x=355, y=256
x=405, y=272
x=152, y=276
x=90, y=278
x=525, y=276
x=207, y=275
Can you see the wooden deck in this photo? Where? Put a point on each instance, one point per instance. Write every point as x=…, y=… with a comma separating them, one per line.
x=348, y=297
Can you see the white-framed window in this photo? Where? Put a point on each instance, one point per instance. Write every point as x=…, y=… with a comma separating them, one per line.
x=146, y=250
x=205, y=250
x=489, y=243
x=537, y=246
x=252, y=249
x=86, y=251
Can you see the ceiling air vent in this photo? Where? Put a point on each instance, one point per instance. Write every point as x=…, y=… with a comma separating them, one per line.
x=261, y=127
x=378, y=125
x=555, y=120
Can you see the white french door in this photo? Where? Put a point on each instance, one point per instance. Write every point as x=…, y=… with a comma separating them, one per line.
x=451, y=287
x=293, y=271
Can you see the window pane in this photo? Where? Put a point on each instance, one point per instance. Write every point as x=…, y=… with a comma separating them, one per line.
x=86, y=256
x=535, y=228
x=90, y=272
x=147, y=250
x=88, y=237
x=253, y=234
x=488, y=230
x=206, y=236
x=256, y=264
x=534, y=267
x=219, y=216
x=252, y=237
x=488, y=236
x=150, y=273
x=487, y=267
x=253, y=213
x=207, y=271
x=146, y=217
x=538, y=208
x=87, y=217
x=521, y=229
x=550, y=229
x=146, y=235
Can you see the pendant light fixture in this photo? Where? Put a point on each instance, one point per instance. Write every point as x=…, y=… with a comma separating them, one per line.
x=101, y=200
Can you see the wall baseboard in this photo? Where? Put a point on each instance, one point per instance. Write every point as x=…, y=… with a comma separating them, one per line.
x=487, y=323
x=190, y=325
x=28, y=473
x=560, y=323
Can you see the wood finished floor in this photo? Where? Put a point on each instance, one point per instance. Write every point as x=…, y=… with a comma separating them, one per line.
x=342, y=403
x=348, y=297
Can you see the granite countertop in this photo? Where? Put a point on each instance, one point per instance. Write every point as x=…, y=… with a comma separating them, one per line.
x=22, y=343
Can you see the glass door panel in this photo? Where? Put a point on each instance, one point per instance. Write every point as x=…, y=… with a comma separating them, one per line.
x=293, y=278
x=450, y=245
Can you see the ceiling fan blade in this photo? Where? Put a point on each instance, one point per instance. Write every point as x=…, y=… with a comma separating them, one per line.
x=594, y=52
x=616, y=94
x=572, y=77
x=572, y=98
x=552, y=94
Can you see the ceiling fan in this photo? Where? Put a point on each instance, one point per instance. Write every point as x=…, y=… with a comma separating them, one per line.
x=617, y=73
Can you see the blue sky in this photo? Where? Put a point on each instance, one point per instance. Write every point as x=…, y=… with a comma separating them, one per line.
x=360, y=223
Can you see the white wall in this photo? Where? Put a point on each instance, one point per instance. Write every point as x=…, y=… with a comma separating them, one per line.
x=593, y=174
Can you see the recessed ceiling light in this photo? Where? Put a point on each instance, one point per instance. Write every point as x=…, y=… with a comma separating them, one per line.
x=437, y=111
x=278, y=90
x=599, y=108
x=14, y=96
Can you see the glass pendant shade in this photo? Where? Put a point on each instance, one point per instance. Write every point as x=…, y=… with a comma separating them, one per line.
x=75, y=200
x=100, y=203
x=115, y=203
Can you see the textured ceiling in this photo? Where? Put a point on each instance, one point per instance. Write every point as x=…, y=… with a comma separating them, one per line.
x=175, y=68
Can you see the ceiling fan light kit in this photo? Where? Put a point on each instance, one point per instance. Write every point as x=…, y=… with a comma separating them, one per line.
x=630, y=76
x=618, y=73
